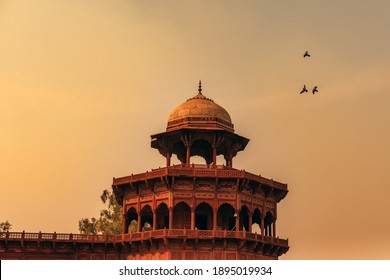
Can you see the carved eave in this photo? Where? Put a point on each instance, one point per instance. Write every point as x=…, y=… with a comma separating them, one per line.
x=270, y=188
x=226, y=143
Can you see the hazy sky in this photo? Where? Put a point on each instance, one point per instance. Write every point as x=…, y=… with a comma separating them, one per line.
x=84, y=83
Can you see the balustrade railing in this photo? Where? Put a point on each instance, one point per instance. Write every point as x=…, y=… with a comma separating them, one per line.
x=146, y=235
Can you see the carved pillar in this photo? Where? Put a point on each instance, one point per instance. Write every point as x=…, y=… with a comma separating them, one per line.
x=250, y=223
x=215, y=212
x=188, y=153
x=262, y=226
x=186, y=139
x=139, y=222
x=170, y=218
x=168, y=156
x=192, y=218
x=237, y=221
x=154, y=219
x=274, y=228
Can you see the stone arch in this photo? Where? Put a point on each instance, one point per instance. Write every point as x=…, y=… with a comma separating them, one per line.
x=182, y=216
x=162, y=216
x=256, y=221
x=146, y=216
x=244, y=219
x=179, y=150
x=269, y=219
x=225, y=217
x=204, y=216
x=131, y=215
x=202, y=148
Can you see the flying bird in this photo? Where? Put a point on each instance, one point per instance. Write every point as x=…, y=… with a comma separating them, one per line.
x=314, y=90
x=306, y=54
x=304, y=89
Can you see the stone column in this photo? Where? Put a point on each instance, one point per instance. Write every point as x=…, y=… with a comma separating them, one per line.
x=262, y=226
x=188, y=153
x=214, y=155
x=250, y=222
x=274, y=228
x=168, y=156
x=154, y=219
x=139, y=223
x=215, y=212
x=237, y=221
x=192, y=218
x=170, y=218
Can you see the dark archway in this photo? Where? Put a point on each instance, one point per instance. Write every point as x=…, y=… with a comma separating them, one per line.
x=204, y=216
x=182, y=216
x=162, y=216
x=131, y=215
x=225, y=217
x=244, y=218
x=268, y=221
x=180, y=151
x=256, y=221
x=203, y=149
x=146, y=216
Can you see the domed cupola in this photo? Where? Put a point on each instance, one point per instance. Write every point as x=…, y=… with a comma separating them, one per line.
x=199, y=127
x=199, y=112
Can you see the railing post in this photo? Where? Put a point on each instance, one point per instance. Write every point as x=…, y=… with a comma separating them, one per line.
x=71, y=236
x=55, y=236
x=39, y=235
x=23, y=232
x=7, y=234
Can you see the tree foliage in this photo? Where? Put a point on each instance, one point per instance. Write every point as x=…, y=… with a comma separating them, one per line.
x=5, y=226
x=110, y=219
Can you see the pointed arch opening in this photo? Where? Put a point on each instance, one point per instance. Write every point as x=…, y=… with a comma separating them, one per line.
x=204, y=216
x=203, y=149
x=131, y=220
x=182, y=216
x=146, y=218
x=256, y=221
x=162, y=216
x=179, y=150
x=244, y=218
x=268, y=224
x=225, y=217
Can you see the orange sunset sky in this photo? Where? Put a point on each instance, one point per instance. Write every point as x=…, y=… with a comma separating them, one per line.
x=83, y=85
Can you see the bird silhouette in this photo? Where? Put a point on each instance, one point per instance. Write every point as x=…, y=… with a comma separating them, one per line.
x=304, y=89
x=306, y=54
x=314, y=90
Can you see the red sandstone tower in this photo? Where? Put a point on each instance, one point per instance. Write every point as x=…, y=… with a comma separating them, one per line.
x=199, y=211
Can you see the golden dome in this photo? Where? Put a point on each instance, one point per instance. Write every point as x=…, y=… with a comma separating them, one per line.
x=199, y=112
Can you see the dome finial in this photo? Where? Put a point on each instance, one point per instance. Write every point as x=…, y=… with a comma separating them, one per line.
x=200, y=87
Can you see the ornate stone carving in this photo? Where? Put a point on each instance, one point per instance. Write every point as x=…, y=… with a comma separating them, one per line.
x=204, y=195
x=204, y=185
x=159, y=187
x=226, y=196
x=182, y=195
x=226, y=186
x=183, y=185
